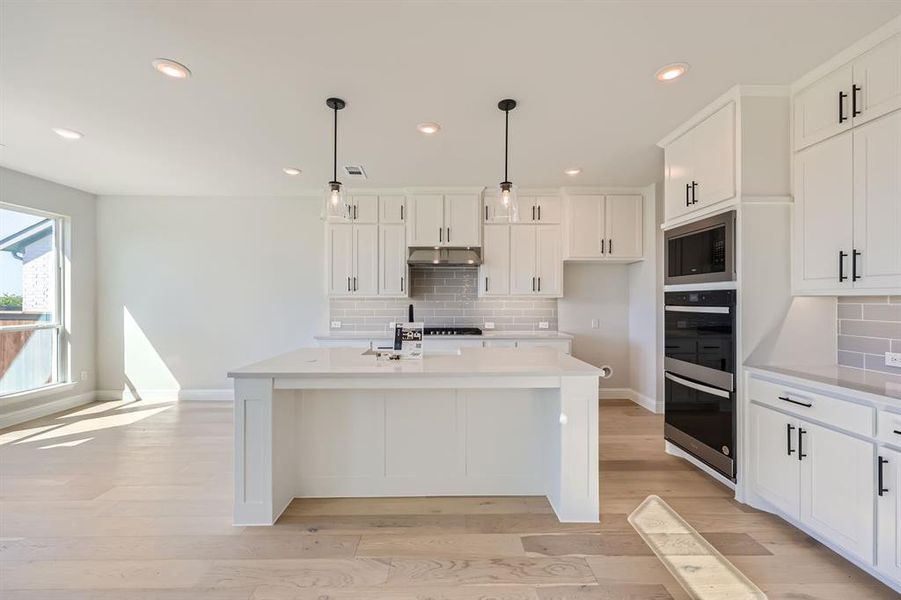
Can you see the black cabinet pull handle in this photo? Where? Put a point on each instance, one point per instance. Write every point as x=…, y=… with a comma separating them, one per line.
x=694, y=190
x=539, y=212
x=854, y=90
x=486, y=212
x=896, y=431
x=610, y=246
x=441, y=234
x=602, y=246
x=687, y=192
x=401, y=283
x=448, y=234
x=533, y=212
x=539, y=284
x=533, y=284
x=801, y=432
x=882, y=488
x=842, y=255
x=808, y=405
x=486, y=284
x=402, y=212
x=348, y=284
x=854, y=275
x=788, y=438
x=355, y=283
x=841, y=107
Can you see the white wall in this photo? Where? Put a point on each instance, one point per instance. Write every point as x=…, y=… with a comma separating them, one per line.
x=192, y=287
x=645, y=310
x=598, y=291
x=80, y=207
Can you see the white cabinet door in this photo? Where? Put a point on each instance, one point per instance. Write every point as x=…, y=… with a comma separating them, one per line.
x=624, y=226
x=340, y=259
x=392, y=261
x=365, y=209
x=838, y=487
x=523, y=267
x=823, y=224
x=877, y=81
x=823, y=108
x=391, y=209
x=426, y=224
x=494, y=273
x=714, y=158
x=528, y=209
x=548, y=209
x=888, y=505
x=679, y=164
x=774, y=465
x=461, y=220
x=586, y=226
x=877, y=203
x=549, y=260
x=366, y=259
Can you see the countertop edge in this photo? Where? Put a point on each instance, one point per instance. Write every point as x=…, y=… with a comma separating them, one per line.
x=847, y=387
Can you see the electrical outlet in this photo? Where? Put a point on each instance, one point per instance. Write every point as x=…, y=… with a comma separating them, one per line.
x=542, y=324
x=336, y=324
x=595, y=324
x=489, y=324
x=893, y=359
x=84, y=375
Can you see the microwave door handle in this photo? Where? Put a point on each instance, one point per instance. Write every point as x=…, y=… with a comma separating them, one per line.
x=720, y=310
x=697, y=386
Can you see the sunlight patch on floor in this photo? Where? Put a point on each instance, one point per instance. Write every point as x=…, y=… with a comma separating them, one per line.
x=67, y=444
x=700, y=569
x=95, y=424
x=14, y=436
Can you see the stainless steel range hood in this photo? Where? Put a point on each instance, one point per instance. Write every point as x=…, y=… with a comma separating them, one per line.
x=445, y=257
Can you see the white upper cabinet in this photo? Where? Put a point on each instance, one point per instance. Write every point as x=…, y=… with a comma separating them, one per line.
x=823, y=226
x=540, y=209
x=425, y=226
x=392, y=209
x=353, y=262
x=604, y=227
x=624, y=226
x=877, y=81
x=461, y=220
x=549, y=261
x=393, y=278
x=523, y=260
x=494, y=273
x=877, y=204
x=366, y=260
x=700, y=164
x=823, y=109
x=364, y=209
x=340, y=242
x=444, y=220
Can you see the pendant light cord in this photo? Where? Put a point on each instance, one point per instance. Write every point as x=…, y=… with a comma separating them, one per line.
x=506, y=140
x=335, y=146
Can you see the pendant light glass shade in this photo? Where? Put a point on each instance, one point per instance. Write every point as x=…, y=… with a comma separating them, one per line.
x=336, y=207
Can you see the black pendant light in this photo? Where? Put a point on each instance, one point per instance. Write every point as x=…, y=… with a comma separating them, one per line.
x=336, y=207
x=507, y=203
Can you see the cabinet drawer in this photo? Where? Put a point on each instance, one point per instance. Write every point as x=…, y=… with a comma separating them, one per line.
x=841, y=414
x=889, y=427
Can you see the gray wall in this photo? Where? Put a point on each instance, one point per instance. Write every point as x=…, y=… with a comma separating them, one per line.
x=868, y=327
x=80, y=207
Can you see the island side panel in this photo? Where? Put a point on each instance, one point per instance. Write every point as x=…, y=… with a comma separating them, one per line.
x=574, y=490
x=253, y=452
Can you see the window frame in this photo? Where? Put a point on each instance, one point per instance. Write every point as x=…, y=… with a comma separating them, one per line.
x=61, y=358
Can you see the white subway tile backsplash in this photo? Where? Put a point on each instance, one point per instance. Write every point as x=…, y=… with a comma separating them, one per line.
x=443, y=296
x=868, y=327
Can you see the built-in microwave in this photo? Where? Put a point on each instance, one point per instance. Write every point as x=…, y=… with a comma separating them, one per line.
x=702, y=251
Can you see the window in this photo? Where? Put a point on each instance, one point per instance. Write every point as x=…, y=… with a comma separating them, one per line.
x=30, y=300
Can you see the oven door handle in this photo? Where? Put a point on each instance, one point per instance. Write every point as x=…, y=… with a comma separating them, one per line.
x=720, y=310
x=697, y=386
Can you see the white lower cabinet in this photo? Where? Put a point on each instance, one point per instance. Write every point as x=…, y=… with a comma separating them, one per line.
x=888, y=506
x=775, y=468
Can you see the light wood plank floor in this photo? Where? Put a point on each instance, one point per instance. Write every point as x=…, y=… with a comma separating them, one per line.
x=133, y=501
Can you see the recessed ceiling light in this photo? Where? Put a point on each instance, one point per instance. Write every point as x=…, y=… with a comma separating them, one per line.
x=291, y=171
x=428, y=128
x=172, y=69
x=69, y=134
x=673, y=71
x=573, y=171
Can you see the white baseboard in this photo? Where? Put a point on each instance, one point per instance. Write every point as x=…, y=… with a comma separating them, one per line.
x=641, y=400
x=189, y=395
x=43, y=409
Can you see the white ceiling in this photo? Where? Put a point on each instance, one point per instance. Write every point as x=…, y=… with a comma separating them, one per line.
x=583, y=73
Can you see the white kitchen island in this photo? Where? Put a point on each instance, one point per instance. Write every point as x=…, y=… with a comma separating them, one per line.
x=332, y=422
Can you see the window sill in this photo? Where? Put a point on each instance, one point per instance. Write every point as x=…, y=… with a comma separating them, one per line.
x=47, y=390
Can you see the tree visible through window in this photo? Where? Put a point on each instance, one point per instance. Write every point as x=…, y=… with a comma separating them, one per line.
x=29, y=301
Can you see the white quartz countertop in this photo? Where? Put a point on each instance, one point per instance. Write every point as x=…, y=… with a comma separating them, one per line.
x=882, y=385
x=486, y=335
x=469, y=362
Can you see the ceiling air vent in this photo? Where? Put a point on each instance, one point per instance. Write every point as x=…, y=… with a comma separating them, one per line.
x=355, y=171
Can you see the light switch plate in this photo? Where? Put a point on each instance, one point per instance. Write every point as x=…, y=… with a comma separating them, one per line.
x=489, y=324
x=336, y=324
x=893, y=359
x=595, y=324
x=542, y=324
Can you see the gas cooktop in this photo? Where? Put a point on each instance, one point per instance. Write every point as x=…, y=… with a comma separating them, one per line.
x=452, y=331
